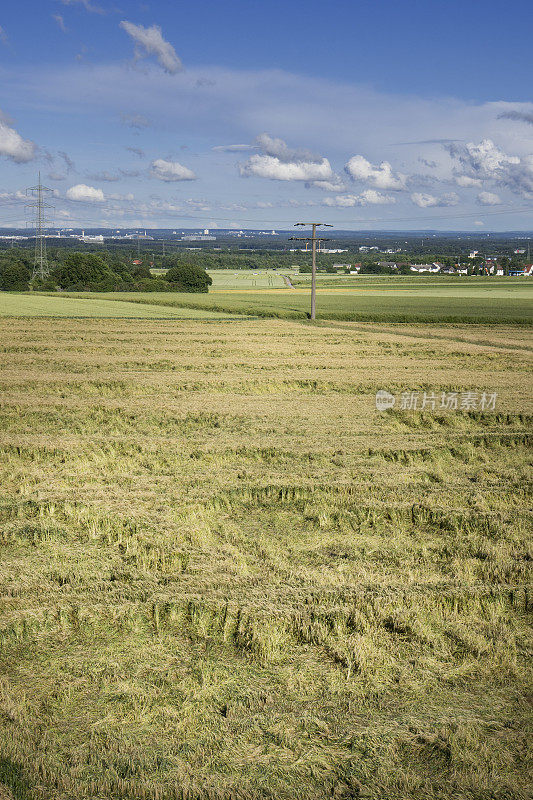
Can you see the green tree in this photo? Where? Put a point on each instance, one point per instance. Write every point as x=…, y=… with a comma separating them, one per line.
x=141, y=272
x=83, y=270
x=14, y=277
x=189, y=278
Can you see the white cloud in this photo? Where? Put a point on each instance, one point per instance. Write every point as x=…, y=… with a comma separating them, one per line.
x=171, y=171
x=368, y=197
x=484, y=158
x=487, y=161
x=271, y=167
x=489, y=199
x=61, y=22
x=381, y=176
x=86, y=194
x=466, y=181
x=150, y=41
x=277, y=161
x=12, y=145
x=423, y=200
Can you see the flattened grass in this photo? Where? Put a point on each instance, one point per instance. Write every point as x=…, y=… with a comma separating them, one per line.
x=225, y=575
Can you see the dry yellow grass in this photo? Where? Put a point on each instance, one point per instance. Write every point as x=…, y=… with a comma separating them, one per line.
x=225, y=575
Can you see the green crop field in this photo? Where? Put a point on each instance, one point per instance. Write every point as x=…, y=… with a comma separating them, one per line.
x=38, y=305
x=386, y=300
x=225, y=574
x=247, y=279
x=243, y=278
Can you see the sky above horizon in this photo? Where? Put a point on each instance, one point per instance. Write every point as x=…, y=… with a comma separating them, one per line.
x=235, y=114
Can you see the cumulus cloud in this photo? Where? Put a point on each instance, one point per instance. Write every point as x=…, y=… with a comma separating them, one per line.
x=484, y=158
x=277, y=161
x=150, y=41
x=137, y=121
x=423, y=200
x=366, y=198
x=487, y=161
x=381, y=176
x=518, y=116
x=12, y=145
x=271, y=167
x=489, y=199
x=86, y=194
x=171, y=171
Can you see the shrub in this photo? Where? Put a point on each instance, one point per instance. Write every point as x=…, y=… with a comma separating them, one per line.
x=152, y=285
x=188, y=278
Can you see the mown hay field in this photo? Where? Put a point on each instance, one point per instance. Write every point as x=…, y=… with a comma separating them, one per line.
x=452, y=300
x=226, y=575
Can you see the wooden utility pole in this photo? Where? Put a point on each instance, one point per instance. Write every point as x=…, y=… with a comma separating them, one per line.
x=313, y=239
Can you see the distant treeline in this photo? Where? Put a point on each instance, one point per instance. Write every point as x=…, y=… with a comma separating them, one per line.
x=127, y=268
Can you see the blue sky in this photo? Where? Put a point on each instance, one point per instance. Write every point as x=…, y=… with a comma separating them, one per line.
x=398, y=115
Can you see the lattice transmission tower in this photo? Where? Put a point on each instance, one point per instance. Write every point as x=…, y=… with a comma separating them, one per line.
x=41, y=268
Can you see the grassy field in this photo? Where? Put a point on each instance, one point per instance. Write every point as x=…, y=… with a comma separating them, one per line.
x=243, y=278
x=505, y=301
x=226, y=575
x=247, y=279
x=38, y=305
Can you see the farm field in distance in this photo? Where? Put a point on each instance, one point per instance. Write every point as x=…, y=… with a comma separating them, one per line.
x=226, y=575
x=364, y=298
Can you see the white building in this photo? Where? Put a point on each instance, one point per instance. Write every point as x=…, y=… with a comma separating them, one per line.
x=96, y=239
x=425, y=267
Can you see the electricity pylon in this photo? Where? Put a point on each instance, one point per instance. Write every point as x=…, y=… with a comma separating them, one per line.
x=41, y=268
x=313, y=239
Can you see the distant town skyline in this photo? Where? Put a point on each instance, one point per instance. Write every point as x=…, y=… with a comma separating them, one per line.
x=379, y=115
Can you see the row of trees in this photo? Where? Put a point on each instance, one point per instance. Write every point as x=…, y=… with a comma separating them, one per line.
x=75, y=271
